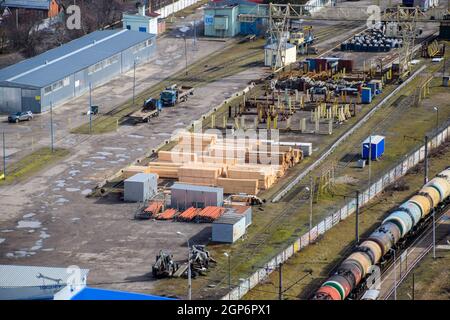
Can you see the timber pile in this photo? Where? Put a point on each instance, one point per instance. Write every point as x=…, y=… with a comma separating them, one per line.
x=248, y=186
x=237, y=165
x=132, y=170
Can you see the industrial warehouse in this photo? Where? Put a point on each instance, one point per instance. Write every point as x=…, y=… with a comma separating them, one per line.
x=67, y=71
x=227, y=150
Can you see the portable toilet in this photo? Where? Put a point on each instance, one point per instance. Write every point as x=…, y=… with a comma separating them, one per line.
x=366, y=95
x=376, y=150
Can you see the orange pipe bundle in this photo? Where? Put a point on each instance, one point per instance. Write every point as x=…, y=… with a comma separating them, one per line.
x=167, y=215
x=188, y=214
x=154, y=208
x=211, y=213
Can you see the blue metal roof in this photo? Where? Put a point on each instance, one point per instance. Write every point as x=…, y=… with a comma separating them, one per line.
x=29, y=4
x=103, y=294
x=71, y=57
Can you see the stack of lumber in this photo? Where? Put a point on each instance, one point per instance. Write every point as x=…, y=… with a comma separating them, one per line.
x=249, y=186
x=165, y=170
x=210, y=214
x=228, y=151
x=132, y=170
x=154, y=208
x=188, y=214
x=200, y=174
x=221, y=160
x=195, y=142
x=169, y=214
x=177, y=156
x=266, y=175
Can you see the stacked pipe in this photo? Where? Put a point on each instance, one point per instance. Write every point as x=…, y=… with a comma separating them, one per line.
x=396, y=226
x=372, y=40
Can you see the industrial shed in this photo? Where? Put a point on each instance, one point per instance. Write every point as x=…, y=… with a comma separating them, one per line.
x=66, y=72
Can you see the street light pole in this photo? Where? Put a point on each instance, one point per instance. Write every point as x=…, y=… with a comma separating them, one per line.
x=426, y=160
x=185, y=53
x=51, y=125
x=189, y=266
x=310, y=206
x=90, y=108
x=357, y=218
x=437, y=119
x=4, y=156
x=134, y=81
x=229, y=269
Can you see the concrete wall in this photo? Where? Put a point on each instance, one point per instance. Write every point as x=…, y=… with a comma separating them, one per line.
x=175, y=7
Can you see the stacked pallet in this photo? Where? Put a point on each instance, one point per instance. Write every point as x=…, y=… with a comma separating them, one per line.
x=188, y=214
x=209, y=214
x=248, y=186
x=132, y=170
x=200, y=174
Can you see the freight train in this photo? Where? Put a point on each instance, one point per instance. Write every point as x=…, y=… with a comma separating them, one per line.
x=395, y=230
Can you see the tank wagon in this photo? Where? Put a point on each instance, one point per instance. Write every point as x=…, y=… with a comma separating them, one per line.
x=400, y=225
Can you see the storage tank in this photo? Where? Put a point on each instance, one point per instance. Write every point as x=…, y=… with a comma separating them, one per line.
x=446, y=173
x=363, y=259
x=374, y=248
x=341, y=284
x=434, y=195
x=413, y=209
x=386, y=236
x=423, y=203
x=352, y=271
x=441, y=185
x=327, y=293
x=402, y=220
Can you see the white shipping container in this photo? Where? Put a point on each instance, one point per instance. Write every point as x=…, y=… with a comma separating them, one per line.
x=140, y=187
x=228, y=228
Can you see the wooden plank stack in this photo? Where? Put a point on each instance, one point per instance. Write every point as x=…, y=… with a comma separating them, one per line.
x=237, y=165
x=249, y=186
x=132, y=170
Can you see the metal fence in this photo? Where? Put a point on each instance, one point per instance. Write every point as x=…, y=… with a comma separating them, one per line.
x=333, y=219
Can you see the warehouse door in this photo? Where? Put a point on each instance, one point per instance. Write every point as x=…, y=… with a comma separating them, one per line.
x=31, y=100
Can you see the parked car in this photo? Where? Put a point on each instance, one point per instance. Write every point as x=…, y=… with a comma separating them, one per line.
x=20, y=116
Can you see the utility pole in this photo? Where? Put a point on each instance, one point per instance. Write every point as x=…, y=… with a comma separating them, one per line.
x=280, y=282
x=4, y=156
x=426, y=160
x=434, y=234
x=370, y=160
x=395, y=276
x=134, y=80
x=357, y=218
x=229, y=269
x=311, y=195
x=185, y=53
x=51, y=125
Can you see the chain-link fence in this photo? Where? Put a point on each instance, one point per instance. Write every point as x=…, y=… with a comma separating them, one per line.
x=397, y=171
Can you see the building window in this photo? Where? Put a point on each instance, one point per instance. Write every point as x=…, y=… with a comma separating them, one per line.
x=149, y=42
x=57, y=85
x=142, y=29
x=128, y=27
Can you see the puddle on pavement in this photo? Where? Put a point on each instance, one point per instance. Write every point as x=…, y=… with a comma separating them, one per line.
x=33, y=224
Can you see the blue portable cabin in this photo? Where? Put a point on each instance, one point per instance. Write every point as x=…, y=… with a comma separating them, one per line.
x=366, y=95
x=377, y=147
